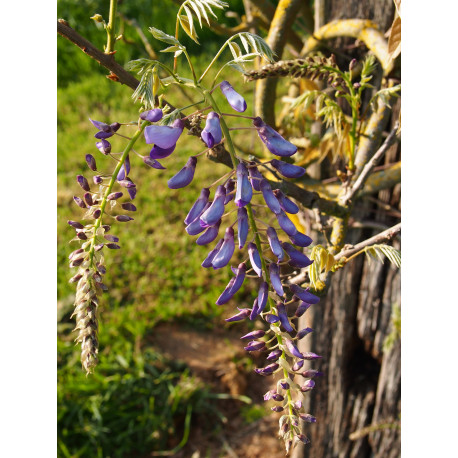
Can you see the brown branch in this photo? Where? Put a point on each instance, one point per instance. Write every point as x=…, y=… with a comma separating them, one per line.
x=117, y=72
x=384, y=236
x=359, y=182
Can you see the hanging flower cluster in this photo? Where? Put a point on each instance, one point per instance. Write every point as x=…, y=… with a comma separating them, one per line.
x=211, y=219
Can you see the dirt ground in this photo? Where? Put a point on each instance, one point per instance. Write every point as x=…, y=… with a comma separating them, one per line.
x=218, y=359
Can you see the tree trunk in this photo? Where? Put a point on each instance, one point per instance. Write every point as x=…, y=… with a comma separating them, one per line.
x=361, y=383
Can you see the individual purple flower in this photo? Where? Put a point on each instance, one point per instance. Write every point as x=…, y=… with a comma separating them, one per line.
x=104, y=146
x=164, y=136
x=79, y=202
x=286, y=224
x=310, y=373
x=254, y=345
x=97, y=179
x=274, y=142
x=293, y=349
x=263, y=295
x=153, y=163
x=274, y=272
x=153, y=115
x=254, y=334
x=76, y=225
x=304, y=439
x=132, y=190
x=284, y=384
x=242, y=226
x=88, y=199
x=254, y=310
x=90, y=160
x=198, y=206
x=302, y=308
x=243, y=313
x=307, y=386
x=123, y=218
x=269, y=197
x=286, y=204
x=271, y=318
x=161, y=153
x=298, y=259
x=287, y=170
x=212, y=133
x=105, y=130
x=255, y=259
x=233, y=286
x=124, y=170
x=236, y=101
x=268, y=396
x=303, y=332
x=83, y=182
x=301, y=239
x=274, y=355
x=304, y=294
x=255, y=176
x=244, y=191
x=307, y=417
x=214, y=213
x=230, y=186
x=226, y=251
x=209, y=235
x=127, y=183
x=185, y=175
x=207, y=262
x=268, y=370
x=284, y=317
x=297, y=366
x=309, y=356
x=195, y=227
x=274, y=243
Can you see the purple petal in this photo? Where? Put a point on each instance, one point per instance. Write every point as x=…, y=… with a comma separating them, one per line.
x=269, y=197
x=103, y=135
x=284, y=317
x=293, y=349
x=240, y=316
x=274, y=243
x=286, y=224
x=226, y=251
x=304, y=294
x=275, y=279
x=271, y=318
x=255, y=176
x=153, y=163
x=301, y=239
x=161, y=153
x=164, y=136
x=298, y=259
x=303, y=332
x=286, y=204
x=79, y=202
x=244, y=191
x=255, y=346
x=185, y=175
x=263, y=294
x=307, y=418
x=297, y=365
x=104, y=146
x=198, y=206
x=90, y=160
x=209, y=235
x=230, y=186
x=254, y=334
x=288, y=170
x=255, y=259
x=274, y=355
x=214, y=213
x=233, y=286
x=124, y=170
x=212, y=133
x=236, y=101
x=83, y=182
x=308, y=385
x=311, y=373
x=274, y=142
x=242, y=225
x=101, y=125
x=195, y=227
x=153, y=115
x=208, y=260
x=254, y=311
x=114, y=195
x=311, y=356
x=302, y=308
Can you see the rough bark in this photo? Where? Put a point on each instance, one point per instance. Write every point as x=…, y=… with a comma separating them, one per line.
x=361, y=385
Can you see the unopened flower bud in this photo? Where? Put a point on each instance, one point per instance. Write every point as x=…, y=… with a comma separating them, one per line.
x=114, y=195
x=91, y=162
x=79, y=202
x=81, y=236
x=75, y=224
x=96, y=214
x=97, y=179
x=83, y=182
x=113, y=246
x=277, y=408
x=123, y=218
x=129, y=207
x=88, y=199
x=352, y=65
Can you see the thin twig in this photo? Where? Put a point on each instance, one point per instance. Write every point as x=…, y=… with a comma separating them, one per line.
x=358, y=184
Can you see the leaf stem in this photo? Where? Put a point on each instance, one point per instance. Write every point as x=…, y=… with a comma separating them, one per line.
x=111, y=39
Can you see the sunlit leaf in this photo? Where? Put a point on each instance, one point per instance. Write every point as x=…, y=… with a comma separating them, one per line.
x=162, y=36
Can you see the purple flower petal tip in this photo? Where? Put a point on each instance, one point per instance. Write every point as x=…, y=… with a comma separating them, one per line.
x=185, y=175
x=274, y=142
x=164, y=136
x=212, y=133
x=153, y=115
x=161, y=153
x=288, y=170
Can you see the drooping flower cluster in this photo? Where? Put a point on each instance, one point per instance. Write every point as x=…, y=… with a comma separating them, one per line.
x=211, y=215
x=102, y=203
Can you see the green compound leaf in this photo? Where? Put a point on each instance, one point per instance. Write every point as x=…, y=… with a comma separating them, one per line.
x=255, y=44
x=382, y=251
x=385, y=95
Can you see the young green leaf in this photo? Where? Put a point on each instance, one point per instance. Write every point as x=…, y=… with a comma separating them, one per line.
x=162, y=36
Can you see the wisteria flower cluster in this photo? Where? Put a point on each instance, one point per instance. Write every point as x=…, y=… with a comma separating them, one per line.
x=239, y=210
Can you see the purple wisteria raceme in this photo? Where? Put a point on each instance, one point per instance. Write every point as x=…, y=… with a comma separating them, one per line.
x=185, y=175
x=212, y=134
x=274, y=142
x=236, y=101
